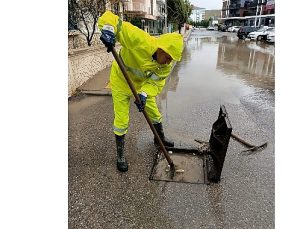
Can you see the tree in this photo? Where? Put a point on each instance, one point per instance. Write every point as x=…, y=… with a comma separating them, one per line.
x=83, y=16
x=210, y=20
x=179, y=12
x=204, y=23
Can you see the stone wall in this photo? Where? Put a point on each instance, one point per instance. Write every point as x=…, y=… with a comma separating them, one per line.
x=84, y=63
x=77, y=40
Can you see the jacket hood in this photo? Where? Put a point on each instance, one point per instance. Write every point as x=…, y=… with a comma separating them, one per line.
x=171, y=43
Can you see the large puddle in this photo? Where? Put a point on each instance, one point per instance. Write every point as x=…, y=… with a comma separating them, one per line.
x=218, y=66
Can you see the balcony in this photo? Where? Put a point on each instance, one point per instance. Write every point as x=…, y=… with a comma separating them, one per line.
x=137, y=9
x=159, y=14
x=141, y=10
x=262, y=2
x=160, y=2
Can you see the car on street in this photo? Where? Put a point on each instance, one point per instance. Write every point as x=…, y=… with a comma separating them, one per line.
x=244, y=31
x=271, y=37
x=261, y=34
x=210, y=28
x=229, y=29
x=233, y=29
x=223, y=28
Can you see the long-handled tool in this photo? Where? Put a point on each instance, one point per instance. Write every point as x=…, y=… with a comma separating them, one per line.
x=250, y=146
x=237, y=138
x=123, y=69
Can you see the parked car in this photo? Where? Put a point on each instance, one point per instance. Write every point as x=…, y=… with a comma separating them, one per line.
x=233, y=28
x=220, y=27
x=245, y=30
x=236, y=29
x=210, y=28
x=260, y=34
x=224, y=28
x=271, y=37
x=229, y=29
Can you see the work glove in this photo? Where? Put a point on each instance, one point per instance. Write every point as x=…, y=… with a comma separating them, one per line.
x=143, y=98
x=108, y=37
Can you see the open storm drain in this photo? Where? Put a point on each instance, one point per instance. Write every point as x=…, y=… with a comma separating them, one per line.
x=198, y=165
x=189, y=168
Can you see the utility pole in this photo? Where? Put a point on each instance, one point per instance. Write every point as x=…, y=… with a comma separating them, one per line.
x=166, y=14
x=260, y=6
x=256, y=15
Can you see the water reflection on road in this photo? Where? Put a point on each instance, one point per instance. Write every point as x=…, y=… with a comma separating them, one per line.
x=251, y=61
x=218, y=68
x=221, y=67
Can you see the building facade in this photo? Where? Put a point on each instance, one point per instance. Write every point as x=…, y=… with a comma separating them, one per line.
x=212, y=14
x=149, y=15
x=198, y=14
x=225, y=8
x=249, y=12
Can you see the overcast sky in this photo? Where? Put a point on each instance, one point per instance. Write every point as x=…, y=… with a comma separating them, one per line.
x=208, y=4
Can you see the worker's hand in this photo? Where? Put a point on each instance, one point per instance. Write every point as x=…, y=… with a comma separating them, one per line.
x=108, y=37
x=143, y=98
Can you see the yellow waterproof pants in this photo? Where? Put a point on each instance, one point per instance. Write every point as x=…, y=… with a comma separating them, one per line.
x=121, y=111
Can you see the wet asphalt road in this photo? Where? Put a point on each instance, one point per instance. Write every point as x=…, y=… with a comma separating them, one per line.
x=216, y=68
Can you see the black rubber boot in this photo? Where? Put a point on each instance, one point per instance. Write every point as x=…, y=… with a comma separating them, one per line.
x=160, y=131
x=121, y=160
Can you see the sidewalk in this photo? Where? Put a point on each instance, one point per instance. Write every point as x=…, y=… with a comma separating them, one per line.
x=99, y=84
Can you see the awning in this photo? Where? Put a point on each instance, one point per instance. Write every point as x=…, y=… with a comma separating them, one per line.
x=247, y=17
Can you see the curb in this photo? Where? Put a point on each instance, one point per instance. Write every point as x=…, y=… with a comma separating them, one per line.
x=97, y=92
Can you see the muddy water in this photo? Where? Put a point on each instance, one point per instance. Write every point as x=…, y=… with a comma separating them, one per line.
x=189, y=168
x=221, y=67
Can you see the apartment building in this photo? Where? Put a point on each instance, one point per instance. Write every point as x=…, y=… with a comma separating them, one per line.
x=198, y=14
x=148, y=15
x=213, y=14
x=248, y=12
x=225, y=9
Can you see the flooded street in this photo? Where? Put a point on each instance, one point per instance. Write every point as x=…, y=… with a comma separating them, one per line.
x=216, y=68
x=219, y=66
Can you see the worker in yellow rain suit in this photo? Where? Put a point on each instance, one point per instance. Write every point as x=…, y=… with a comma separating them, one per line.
x=148, y=61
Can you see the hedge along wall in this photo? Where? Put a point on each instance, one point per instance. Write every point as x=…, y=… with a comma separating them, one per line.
x=84, y=62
